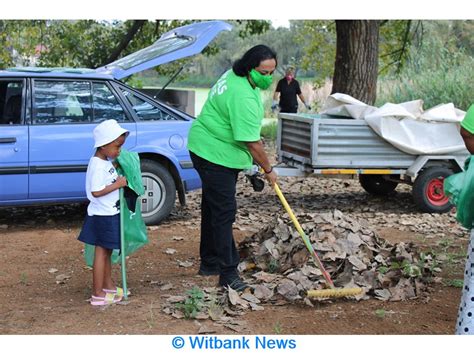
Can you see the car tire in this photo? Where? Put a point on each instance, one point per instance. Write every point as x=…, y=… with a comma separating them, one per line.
x=428, y=192
x=160, y=192
x=376, y=184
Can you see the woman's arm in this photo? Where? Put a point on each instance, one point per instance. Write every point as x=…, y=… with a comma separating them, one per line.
x=259, y=155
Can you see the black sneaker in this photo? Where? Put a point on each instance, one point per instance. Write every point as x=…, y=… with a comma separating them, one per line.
x=205, y=270
x=237, y=284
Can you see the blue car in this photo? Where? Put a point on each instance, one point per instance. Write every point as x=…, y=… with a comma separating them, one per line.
x=47, y=116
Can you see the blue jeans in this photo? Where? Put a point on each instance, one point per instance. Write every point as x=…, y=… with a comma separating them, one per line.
x=218, y=209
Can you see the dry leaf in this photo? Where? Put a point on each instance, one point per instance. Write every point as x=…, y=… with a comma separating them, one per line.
x=185, y=263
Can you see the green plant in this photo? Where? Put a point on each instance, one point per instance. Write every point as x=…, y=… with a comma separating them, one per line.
x=193, y=302
x=380, y=313
x=23, y=278
x=407, y=269
x=277, y=328
x=445, y=243
x=457, y=283
x=423, y=261
x=454, y=258
x=273, y=265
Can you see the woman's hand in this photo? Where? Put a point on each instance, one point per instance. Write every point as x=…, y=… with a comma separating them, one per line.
x=271, y=177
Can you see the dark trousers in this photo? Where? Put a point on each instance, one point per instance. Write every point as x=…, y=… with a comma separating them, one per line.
x=293, y=109
x=218, y=209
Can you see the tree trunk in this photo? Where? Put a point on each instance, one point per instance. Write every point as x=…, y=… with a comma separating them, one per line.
x=356, y=67
x=137, y=25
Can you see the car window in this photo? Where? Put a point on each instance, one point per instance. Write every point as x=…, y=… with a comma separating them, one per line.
x=157, y=49
x=62, y=102
x=106, y=105
x=147, y=111
x=10, y=101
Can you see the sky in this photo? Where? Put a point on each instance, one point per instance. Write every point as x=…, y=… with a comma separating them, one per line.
x=280, y=23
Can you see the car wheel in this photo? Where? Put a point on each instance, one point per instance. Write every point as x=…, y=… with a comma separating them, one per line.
x=428, y=192
x=377, y=184
x=160, y=192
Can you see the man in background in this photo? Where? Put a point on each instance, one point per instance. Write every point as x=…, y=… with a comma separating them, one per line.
x=288, y=89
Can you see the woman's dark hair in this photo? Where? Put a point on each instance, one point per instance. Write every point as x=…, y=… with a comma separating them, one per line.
x=252, y=58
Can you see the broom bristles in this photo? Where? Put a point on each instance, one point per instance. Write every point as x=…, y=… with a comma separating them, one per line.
x=334, y=292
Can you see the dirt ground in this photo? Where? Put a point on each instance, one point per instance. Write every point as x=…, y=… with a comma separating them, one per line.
x=35, y=240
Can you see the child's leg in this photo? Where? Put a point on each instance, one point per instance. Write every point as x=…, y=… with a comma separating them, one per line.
x=108, y=283
x=102, y=256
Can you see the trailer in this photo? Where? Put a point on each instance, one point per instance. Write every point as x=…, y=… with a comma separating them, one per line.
x=319, y=145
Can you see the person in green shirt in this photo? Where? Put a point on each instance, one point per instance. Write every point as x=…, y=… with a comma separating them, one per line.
x=465, y=320
x=224, y=140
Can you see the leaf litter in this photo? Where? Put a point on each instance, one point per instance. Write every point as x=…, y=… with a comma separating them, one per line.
x=279, y=269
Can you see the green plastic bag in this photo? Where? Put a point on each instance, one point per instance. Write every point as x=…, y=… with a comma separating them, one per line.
x=135, y=235
x=460, y=190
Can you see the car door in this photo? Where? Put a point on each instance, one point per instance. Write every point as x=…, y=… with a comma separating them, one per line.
x=178, y=43
x=13, y=141
x=65, y=112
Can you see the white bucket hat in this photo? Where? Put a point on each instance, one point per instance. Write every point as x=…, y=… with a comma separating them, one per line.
x=107, y=132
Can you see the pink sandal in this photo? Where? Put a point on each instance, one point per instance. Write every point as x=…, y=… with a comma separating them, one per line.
x=108, y=299
x=118, y=291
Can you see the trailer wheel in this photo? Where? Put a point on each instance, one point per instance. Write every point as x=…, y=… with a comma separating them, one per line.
x=428, y=192
x=377, y=184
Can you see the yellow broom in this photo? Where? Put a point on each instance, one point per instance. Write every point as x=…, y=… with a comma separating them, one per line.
x=332, y=291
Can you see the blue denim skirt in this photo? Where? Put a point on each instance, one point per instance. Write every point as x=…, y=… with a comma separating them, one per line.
x=103, y=231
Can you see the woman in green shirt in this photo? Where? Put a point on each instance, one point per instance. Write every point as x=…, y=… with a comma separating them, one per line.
x=465, y=321
x=224, y=140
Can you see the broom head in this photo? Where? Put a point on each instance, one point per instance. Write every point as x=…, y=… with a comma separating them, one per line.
x=335, y=292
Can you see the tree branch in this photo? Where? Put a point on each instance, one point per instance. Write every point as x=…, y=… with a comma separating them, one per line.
x=404, y=46
x=132, y=31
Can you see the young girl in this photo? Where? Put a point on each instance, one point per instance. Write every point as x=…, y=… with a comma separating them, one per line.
x=102, y=224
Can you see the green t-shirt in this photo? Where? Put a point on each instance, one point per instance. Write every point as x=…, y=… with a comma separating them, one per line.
x=468, y=121
x=232, y=115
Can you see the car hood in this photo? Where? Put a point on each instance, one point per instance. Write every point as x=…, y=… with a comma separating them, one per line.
x=178, y=43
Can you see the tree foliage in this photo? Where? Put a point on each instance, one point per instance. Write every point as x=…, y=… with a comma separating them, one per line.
x=438, y=69
x=18, y=40
x=308, y=45
x=91, y=43
x=318, y=41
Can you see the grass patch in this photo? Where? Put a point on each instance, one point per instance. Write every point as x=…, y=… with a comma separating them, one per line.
x=457, y=283
x=269, y=131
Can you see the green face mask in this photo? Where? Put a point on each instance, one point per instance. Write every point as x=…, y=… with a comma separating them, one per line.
x=261, y=81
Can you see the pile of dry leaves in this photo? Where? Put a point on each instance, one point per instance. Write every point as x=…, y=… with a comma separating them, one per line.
x=351, y=252
x=279, y=269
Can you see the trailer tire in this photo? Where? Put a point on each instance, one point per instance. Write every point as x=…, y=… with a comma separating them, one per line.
x=160, y=193
x=428, y=192
x=376, y=184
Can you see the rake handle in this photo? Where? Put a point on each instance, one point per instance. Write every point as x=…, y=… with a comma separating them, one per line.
x=122, y=247
x=305, y=238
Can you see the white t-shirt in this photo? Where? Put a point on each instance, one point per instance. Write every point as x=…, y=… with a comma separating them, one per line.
x=101, y=173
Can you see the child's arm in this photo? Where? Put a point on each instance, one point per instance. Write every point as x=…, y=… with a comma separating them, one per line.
x=120, y=182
